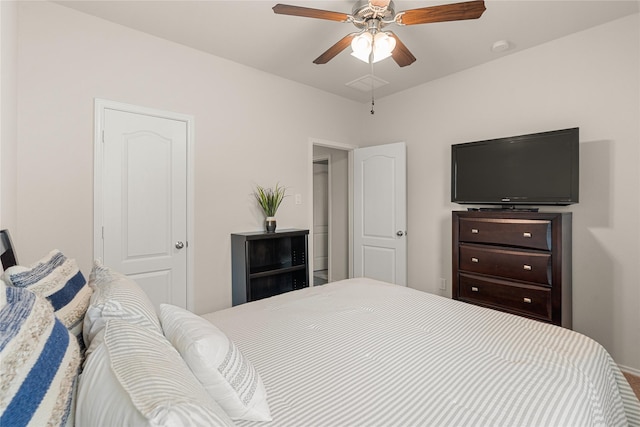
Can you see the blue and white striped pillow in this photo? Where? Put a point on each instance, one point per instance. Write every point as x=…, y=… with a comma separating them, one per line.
x=39, y=360
x=59, y=280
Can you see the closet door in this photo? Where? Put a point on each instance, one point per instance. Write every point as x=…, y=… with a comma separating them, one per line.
x=144, y=209
x=380, y=213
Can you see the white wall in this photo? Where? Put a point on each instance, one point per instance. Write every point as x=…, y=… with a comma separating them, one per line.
x=8, y=115
x=250, y=128
x=589, y=79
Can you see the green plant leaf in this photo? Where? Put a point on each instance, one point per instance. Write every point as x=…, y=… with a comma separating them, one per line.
x=269, y=199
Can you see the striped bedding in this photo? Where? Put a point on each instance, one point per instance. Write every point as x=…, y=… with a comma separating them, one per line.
x=365, y=353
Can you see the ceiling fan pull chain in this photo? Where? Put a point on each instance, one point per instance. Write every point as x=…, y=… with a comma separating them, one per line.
x=372, y=93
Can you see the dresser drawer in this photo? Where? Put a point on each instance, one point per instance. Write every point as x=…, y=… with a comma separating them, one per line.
x=535, y=234
x=529, y=300
x=527, y=266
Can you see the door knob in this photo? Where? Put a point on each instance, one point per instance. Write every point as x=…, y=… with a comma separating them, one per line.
x=400, y=233
x=179, y=245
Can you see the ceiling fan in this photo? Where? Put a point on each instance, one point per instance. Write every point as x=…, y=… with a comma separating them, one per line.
x=370, y=43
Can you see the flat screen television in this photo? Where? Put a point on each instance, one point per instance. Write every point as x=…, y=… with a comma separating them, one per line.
x=534, y=169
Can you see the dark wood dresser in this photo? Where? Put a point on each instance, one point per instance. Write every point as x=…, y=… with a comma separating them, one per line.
x=514, y=261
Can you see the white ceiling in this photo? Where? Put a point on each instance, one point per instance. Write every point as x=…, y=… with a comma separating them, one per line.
x=248, y=32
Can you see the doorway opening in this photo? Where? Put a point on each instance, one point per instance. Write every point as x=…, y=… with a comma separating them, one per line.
x=330, y=213
x=356, y=216
x=321, y=200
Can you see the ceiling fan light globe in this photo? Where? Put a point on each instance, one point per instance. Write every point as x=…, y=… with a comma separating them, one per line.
x=362, y=44
x=362, y=57
x=379, y=56
x=382, y=42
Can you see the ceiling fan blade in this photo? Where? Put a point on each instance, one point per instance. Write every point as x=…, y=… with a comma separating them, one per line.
x=401, y=54
x=335, y=49
x=285, y=9
x=447, y=12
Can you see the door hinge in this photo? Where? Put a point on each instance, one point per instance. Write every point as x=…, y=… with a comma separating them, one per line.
x=103, y=233
x=103, y=136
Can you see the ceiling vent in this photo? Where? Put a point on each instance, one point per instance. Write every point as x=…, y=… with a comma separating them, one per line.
x=365, y=83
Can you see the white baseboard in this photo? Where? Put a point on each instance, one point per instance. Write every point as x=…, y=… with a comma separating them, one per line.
x=629, y=370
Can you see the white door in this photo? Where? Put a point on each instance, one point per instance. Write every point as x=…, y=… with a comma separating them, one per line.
x=144, y=210
x=380, y=213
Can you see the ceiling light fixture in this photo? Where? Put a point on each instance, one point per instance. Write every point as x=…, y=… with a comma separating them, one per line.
x=373, y=15
x=373, y=45
x=361, y=46
x=381, y=46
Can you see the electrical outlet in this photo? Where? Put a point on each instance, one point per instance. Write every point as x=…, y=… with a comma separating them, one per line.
x=443, y=284
x=298, y=198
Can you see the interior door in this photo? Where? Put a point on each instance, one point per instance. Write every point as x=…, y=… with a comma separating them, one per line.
x=145, y=202
x=380, y=213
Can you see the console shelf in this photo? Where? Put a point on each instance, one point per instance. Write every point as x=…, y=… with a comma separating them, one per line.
x=267, y=264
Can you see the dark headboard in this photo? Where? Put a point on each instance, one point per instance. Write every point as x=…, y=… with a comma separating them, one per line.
x=7, y=255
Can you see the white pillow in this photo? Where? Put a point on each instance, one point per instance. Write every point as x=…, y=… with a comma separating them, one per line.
x=219, y=365
x=100, y=399
x=115, y=296
x=132, y=378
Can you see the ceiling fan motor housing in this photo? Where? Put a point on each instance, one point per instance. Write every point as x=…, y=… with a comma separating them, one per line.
x=364, y=12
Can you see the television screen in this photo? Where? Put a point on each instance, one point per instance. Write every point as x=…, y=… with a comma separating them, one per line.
x=535, y=169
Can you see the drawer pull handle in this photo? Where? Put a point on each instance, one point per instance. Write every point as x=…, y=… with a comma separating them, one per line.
x=474, y=231
x=527, y=267
x=473, y=259
x=474, y=289
x=526, y=234
x=527, y=300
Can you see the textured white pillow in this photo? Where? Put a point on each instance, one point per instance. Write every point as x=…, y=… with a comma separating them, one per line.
x=219, y=365
x=59, y=280
x=15, y=269
x=115, y=296
x=135, y=378
x=39, y=360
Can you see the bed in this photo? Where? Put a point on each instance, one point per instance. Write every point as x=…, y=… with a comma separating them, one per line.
x=357, y=352
x=363, y=352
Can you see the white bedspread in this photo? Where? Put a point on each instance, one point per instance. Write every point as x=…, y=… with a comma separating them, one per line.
x=365, y=353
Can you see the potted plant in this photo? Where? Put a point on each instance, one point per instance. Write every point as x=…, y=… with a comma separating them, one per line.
x=269, y=200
